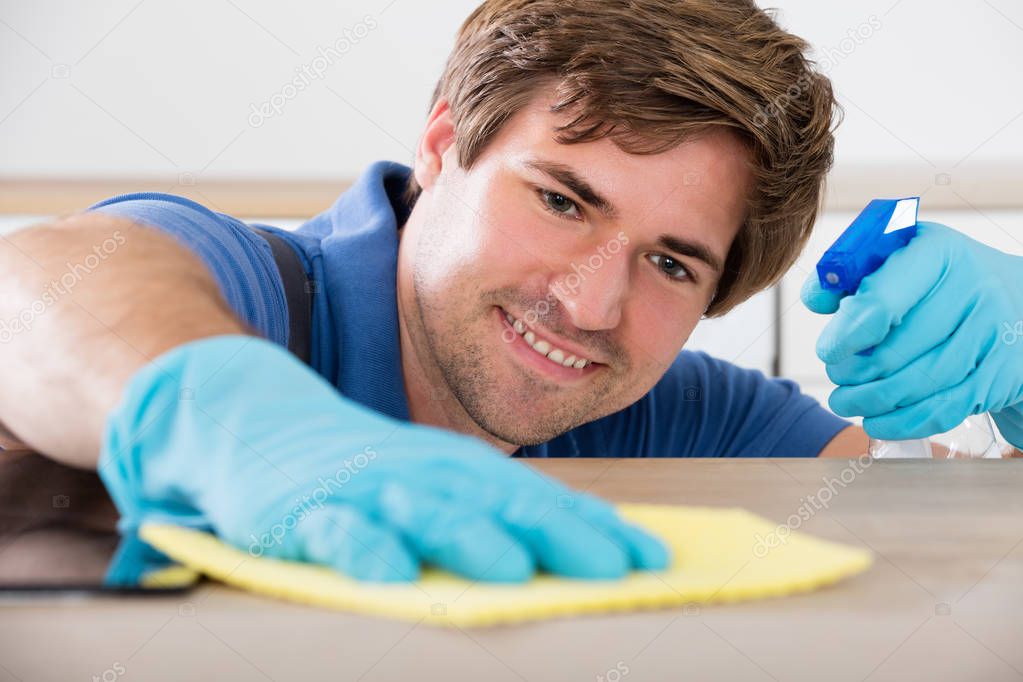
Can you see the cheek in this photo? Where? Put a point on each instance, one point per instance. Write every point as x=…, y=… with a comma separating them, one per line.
x=659, y=326
x=451, y=243
x=517, y=239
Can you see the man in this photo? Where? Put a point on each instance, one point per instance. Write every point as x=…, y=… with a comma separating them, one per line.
x=593, y=178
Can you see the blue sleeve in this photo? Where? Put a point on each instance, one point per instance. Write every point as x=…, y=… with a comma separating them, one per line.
x=706, y=407
x=238, y=258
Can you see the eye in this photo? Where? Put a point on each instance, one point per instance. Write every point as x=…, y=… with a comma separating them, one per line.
x=671, y=267
x=559, y=204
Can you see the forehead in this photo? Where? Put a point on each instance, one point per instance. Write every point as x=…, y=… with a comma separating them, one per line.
x=698, y=188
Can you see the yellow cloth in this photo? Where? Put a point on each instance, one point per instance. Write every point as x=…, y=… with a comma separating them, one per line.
x=720, y=555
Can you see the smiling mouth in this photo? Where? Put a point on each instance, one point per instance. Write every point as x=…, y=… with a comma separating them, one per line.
x=544, y=347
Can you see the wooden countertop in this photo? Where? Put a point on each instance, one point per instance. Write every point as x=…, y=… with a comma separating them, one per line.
x=944, y=600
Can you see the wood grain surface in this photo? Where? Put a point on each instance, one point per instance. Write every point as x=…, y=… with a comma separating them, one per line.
x=943, y=601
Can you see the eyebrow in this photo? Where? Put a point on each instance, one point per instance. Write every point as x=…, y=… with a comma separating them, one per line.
x=569, y=178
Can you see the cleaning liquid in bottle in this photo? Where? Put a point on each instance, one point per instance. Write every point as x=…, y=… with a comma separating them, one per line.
x=975, y=438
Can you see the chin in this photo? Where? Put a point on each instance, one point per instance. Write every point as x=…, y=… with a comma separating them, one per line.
x=506, y=421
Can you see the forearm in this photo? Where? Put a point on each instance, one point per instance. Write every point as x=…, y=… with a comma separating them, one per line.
x=85, y=303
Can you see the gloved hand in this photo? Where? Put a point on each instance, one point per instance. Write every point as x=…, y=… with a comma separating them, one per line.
x=234, y=434
x=941, y=315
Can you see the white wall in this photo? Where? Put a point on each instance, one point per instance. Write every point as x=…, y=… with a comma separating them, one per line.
x=164, y=87
x=934, y=84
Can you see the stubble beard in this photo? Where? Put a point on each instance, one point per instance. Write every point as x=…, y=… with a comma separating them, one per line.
x=470, y=378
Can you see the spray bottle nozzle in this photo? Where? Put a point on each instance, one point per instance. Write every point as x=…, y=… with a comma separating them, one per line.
x=880, y=229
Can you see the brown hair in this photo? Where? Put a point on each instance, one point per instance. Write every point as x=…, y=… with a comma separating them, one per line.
x=650, y=74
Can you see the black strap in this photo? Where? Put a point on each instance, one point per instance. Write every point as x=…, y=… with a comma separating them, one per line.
x=298, y=291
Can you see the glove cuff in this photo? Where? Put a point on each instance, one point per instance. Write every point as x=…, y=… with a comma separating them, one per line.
x=140, y=440
x=1010, y=424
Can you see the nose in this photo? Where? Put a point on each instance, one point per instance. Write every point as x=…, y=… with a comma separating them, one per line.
x=593, y=291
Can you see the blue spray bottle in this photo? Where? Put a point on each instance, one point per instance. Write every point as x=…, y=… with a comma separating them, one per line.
x=882, y=228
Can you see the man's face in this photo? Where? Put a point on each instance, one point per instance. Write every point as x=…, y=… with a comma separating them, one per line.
x=553, y=284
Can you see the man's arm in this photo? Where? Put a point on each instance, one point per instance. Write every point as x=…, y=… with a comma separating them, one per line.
x=222, y=430
x=851, y=441
x=87, y=301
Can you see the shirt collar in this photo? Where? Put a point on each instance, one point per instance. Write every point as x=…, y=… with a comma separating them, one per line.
x=360, y=258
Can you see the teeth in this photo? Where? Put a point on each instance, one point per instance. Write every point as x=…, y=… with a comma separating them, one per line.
x=544, y=347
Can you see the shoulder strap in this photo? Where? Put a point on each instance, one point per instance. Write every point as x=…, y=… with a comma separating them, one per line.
x=298, y=291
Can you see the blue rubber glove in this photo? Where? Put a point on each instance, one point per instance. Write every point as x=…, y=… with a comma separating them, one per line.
x=236, y=435
x=944, y=316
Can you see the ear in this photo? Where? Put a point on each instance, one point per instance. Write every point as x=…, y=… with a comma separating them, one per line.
x=438, y=137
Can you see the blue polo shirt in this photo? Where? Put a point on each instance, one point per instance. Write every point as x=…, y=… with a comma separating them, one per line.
x=702, y=407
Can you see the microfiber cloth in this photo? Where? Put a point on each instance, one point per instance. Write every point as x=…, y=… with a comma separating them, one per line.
x=720, y=555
